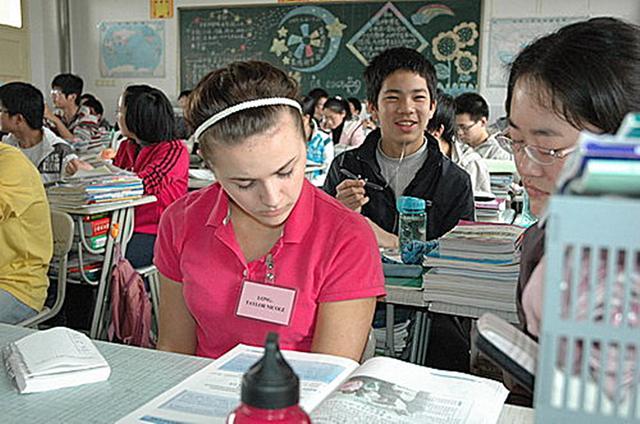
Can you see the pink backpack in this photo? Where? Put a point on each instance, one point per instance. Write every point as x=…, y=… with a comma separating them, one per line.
x=130, y=305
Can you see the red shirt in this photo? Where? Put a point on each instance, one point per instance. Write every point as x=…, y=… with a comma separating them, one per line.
x=164, y=169
x=327, y=253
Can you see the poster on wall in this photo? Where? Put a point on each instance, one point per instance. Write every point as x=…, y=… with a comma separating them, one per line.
x=510, y=35
x=132, y=49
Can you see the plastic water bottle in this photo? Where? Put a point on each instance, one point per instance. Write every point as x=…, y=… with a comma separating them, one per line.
x=270, y=391
x=412, y=221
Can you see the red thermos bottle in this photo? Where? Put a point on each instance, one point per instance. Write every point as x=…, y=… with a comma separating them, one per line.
x=270, y=391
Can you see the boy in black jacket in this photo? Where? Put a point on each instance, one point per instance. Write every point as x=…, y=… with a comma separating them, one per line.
x=400, y=158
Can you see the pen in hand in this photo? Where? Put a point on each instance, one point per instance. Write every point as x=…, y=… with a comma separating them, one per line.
x=353, y=176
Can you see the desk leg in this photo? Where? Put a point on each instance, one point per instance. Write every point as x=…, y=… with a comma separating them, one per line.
x=417, y=334
x=389, y=347
x=118, y=217
x=424, y=339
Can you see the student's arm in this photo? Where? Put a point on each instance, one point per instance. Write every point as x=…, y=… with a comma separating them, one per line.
x=177, y=329
x=342, y=328
x=352, y=194
x=384, y=238
x=62, y=129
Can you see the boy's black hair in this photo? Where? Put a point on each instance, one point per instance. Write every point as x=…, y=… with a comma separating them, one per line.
x=91, y=101
x=69, y=84
x=444, y=115
x=397, y=59
x=473, y=104
x=24, y=99
x=318, y=93
x=308, y=104
x=148, y=114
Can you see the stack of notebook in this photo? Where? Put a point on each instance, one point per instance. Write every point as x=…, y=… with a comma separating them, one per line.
x=603, y=164
x=477, y=266
x=90, y=150
x=492, y=209
x=98, y=186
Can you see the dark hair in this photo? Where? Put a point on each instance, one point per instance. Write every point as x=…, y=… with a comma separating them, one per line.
x=473, y=104
x=338, y=105
x=317, y=93
x=91, y=101
x=397, y=59
x=25, y=99
x=587, y=72
x=184, y=93
x=308, y=105
x=357, y=105
x=68, y=84
x=444, y=115
x=148, y=114
x=233, y=84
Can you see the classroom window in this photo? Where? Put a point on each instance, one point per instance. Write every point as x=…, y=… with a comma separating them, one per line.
x=11, y=13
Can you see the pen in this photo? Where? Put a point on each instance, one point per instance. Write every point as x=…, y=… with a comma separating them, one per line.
x=353, y=176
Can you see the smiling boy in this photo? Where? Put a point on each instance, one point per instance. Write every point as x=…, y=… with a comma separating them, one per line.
x=401, y=156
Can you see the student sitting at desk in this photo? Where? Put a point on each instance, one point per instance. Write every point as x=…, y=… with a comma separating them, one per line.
x=319, y=144
x=145, y=116
x=346, y=130
x=402, y=159
x=582, y=77
x=443, y=127
x=472, y=118
x=262, y=249
x=22, y=109
x=71, y=121
x=26, y=243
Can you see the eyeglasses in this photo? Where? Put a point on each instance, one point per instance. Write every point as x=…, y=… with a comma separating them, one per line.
x=467, y=128
x=539, y=155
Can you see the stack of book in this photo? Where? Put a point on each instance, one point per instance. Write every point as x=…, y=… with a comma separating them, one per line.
x=476, y=266
x=400, y=338
x=492, y=209
x=98, y=186
x=502, y=178
x=95, y=229
x=90, y=150
x=603, y=164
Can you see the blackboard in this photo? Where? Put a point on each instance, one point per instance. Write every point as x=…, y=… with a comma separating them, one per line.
x=329, y=44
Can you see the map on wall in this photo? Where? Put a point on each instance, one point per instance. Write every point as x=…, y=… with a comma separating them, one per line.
x=510, y=35
x=132, y=49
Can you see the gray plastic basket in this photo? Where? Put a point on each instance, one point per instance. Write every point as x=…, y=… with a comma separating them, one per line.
x=590, y=335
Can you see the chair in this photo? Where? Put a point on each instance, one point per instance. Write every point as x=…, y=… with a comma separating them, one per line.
x=150, y=273
x=62, y=226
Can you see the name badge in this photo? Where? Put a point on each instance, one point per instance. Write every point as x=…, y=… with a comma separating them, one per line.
x=266, y=302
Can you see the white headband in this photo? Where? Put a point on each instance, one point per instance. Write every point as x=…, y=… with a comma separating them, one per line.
x=250, y=104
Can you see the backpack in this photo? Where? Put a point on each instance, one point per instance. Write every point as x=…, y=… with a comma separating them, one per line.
x=130, y=305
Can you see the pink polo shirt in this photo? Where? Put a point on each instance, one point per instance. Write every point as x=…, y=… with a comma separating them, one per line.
x=327, y=253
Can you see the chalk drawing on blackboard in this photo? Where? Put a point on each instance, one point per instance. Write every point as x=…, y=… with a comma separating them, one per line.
x=387, y=28
x=448, y=49
x=427, y=13
x=308, y=39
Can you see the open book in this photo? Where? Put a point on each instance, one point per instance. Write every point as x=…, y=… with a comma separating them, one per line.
x=335, y=390
x=52, y=359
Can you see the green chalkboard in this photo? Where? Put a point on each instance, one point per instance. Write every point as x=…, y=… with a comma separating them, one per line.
x=328, y=44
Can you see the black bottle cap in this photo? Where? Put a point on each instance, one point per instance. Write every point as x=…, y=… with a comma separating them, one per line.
x=270, y=383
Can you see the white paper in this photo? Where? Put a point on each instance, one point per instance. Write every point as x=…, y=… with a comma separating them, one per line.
x=212, y=393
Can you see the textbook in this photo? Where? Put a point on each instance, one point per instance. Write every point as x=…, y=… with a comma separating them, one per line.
x=335, y=390
x=53, y=359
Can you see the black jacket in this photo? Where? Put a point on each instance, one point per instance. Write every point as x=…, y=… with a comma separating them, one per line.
x=439, y=180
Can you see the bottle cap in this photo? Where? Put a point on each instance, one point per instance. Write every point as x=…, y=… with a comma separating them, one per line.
x=410, y=205
x=270, y=383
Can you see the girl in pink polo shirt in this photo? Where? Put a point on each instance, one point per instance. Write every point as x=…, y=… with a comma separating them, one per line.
x=146, y=117
x=262, y=249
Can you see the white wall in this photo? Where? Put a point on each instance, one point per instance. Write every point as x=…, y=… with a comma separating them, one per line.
x=87, y=14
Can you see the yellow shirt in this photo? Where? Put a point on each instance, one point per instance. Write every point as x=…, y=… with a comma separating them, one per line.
x=26, y=242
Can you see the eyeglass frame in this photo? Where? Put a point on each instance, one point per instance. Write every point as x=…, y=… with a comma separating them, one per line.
x=465, y=128
x=553, y=154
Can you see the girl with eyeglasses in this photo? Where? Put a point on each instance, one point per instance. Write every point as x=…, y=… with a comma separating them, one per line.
x=585, y=76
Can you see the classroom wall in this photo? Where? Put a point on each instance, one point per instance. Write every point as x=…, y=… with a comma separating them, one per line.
x=87, y=14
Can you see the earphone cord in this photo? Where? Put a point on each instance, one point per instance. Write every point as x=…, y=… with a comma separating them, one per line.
x=395, y=175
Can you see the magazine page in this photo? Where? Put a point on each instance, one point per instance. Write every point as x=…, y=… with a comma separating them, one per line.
x=386, y=390
x=209, y=395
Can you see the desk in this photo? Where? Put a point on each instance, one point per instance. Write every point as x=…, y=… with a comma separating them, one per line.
x=122, y=214
x=137, y=376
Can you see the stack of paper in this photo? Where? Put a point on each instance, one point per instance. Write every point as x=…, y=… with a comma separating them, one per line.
x=55, y=358
x=100, y=185
x=400, y=336
x=501, y=174
x=476, y=265
x=603, y=164
x=89, y=150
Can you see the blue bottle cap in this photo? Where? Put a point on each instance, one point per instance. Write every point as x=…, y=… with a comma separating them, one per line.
x=410, y=205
